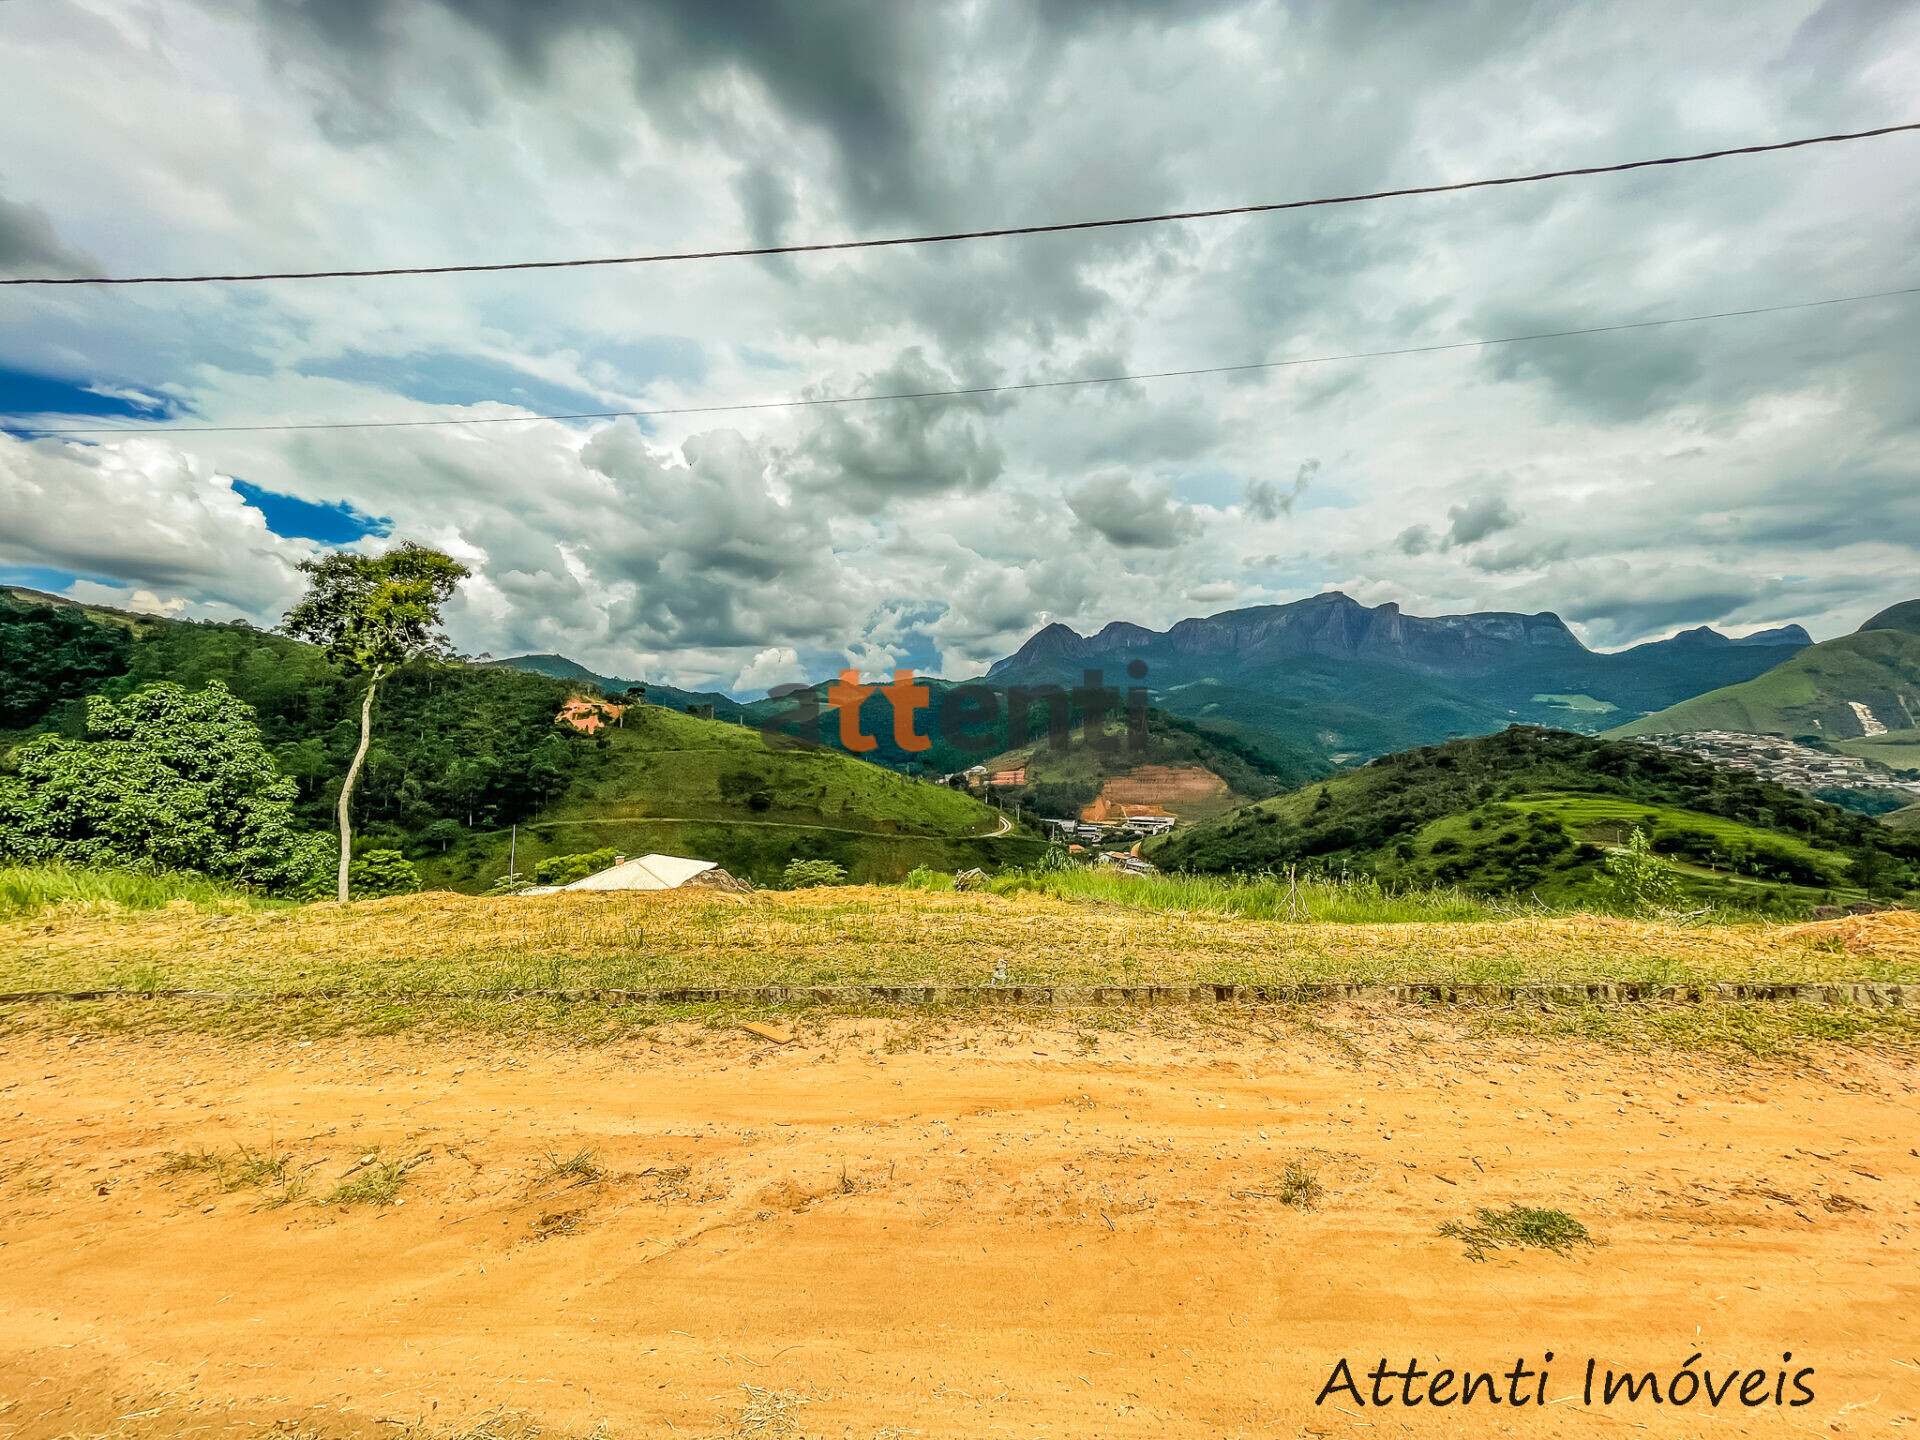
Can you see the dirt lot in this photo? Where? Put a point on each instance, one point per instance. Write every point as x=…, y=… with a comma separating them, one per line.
x=1184, y=790
x=945, y=1230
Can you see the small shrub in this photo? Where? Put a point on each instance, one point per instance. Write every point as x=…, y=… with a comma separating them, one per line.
x=381, y=872
x=1640, y=880
x=565, y=869
x=806, y=874
x=1052, y=861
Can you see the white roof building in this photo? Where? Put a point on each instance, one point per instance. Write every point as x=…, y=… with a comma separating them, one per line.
x=649, y=872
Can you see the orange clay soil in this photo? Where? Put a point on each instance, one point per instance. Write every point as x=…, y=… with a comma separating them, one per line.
x=1185, y=790
x=957, y=1230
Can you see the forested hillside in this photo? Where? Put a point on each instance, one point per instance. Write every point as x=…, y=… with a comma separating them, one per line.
x=461, y=753
x=1533, y=809
x=453, y=744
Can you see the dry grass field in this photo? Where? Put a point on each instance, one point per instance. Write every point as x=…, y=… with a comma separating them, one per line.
x=442, y=943
x=392, y=1201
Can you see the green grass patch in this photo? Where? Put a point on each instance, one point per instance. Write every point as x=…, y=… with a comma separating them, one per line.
x=1519, y=1227
x=242, y=1168
x=1360, y=900
x=1897, y=749
x=1611, y=818
x=32, y=889
x=376, y=1182
x=448, y=947
x=1736, y=1030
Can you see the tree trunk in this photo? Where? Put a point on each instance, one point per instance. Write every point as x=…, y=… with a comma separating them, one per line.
x=353, y=773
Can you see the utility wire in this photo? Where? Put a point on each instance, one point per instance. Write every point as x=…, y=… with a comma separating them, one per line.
x=809, y=401
x=810, y=249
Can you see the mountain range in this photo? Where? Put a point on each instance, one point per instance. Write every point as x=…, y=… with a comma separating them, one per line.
x=1349, y=681
x=1860, y=693
x=1326, y=680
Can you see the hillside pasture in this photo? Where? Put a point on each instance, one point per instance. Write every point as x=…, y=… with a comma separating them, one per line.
x=1897, y=749
x=1609, y=819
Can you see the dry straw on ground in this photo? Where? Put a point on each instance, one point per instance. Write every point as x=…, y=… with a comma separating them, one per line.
x=454, y=945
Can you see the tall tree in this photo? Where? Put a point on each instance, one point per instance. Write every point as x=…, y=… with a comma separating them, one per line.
x=166, y=777
x=371, y=614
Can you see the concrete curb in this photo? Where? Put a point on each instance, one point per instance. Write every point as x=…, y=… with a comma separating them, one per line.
x=1608, y=992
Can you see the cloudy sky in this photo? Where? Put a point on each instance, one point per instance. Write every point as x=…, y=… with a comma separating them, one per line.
x=1742, y=472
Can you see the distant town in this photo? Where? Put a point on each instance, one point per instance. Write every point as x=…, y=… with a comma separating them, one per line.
x=1783, y=761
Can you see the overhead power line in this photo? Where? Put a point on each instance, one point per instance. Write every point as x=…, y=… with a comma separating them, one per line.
x=900, y=240
x=805, y=402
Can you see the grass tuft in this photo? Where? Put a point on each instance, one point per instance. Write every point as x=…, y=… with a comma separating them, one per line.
x=581, y=1166
x=375, y=1183
x=769, y=1415
x=1519, y=1226
x=242, y=1168
x=1299, y=1187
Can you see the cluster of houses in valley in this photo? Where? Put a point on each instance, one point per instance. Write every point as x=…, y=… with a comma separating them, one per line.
x=1080, y=836
x=1783, y=761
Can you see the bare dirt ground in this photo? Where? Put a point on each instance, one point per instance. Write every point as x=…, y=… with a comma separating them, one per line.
x=953, y=1229
x=1184, y=790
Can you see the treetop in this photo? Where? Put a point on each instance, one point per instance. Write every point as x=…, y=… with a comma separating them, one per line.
x=376, y=612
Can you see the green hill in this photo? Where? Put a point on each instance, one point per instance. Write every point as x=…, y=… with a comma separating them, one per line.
x=1904, y=616
x=1838, y=690
x=667, y=782
x=1249, y=761
x=463, y=753
x=1534, y=811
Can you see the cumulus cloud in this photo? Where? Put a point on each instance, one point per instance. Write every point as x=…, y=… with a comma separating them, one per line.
x=941, y=531
x=869, y=455
x=1134, y=518
x=143, y=513
x=1479, y=518
x=776, y=665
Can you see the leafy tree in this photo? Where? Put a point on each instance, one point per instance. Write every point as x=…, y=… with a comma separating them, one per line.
x=382, y=872
x=370, y=615
x=444, y=833
x=165, y=779
x=1880, y=875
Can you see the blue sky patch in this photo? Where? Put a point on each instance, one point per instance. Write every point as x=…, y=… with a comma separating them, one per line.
x=26, y=392
x=333, y=522
x=45, y=578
